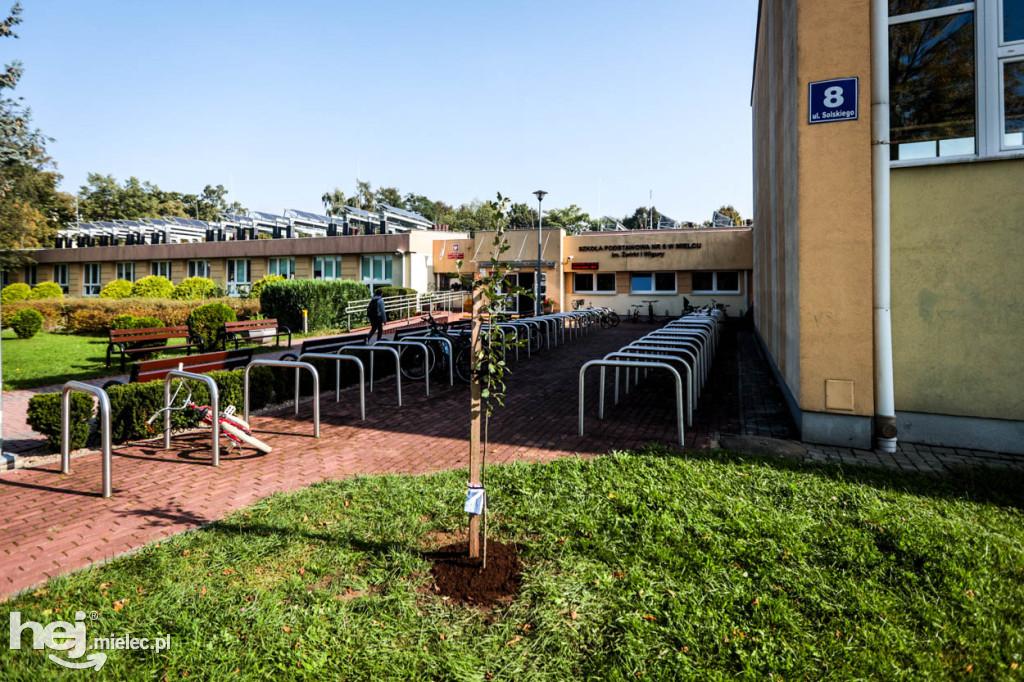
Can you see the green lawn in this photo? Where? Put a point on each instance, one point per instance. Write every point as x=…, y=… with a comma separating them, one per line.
x=656, y=565
x=53, y=358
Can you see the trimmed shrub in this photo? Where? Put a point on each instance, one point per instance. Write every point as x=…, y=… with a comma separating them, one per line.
x=197, y=289
x=27, y=323
x=118, y=289
x=15, y=292
x=44, y=417
x=45, y=290
x=153, y=286
x=207, y=320
x=325, y=301
x=95, y=315
x=52, y=310
x=132, y=404
x=257, y=287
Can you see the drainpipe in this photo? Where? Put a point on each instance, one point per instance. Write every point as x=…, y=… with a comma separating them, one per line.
x=885, y=402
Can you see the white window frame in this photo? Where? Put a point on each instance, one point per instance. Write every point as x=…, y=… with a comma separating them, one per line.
x=235, y=285
x=654, y=286
x=990, y=55
x=60, y=276
x=160, y=268
x=593, y=280
x=386, y=264
x=274, y=267
x=125, y=270
x=194, y=267
x=714, y=283
x=91, y=287
x=320, y=266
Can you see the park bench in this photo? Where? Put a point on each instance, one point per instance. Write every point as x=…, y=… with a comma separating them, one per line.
x=254, y=330
x=153, y=370
x=126, y=341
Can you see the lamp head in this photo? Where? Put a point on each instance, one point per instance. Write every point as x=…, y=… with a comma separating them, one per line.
x=540, y=194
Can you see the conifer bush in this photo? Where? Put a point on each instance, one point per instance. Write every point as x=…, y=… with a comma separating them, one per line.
x=45, y=290
x=27, y=323
x=15, y=292
x=118, y=289
x=153, y=286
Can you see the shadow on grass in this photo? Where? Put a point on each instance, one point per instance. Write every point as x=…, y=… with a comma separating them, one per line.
x=1002, y=487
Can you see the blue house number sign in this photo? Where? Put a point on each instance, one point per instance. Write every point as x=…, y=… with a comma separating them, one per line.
x=834, y=100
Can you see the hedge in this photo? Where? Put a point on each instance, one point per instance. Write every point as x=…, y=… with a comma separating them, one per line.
x=117, y=289
x=153, y=286
x=15, y=292
x=388, y=291
x=95, y=315
x=197, y=289
x=132, y=404
x=325, y=300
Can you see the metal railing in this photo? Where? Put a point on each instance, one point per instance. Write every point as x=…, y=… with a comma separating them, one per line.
x=337, y=376
x=214, y=405
x=260, y=362
x=387, y=349
x=65, y=430
x=410, y=304
x=604, y=364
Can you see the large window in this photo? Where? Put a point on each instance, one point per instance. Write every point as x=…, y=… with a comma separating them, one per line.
x=652, y=282
x=199, y=268
x=91, y=279
x=727, y=282
x=31, y=275
x=238, y=281
x=593, y=283
x=375, y=269
x=327, y=267
x=125, y=271
x=60, y=276
x=161, y=268
x=281, y=266
x=956, y=78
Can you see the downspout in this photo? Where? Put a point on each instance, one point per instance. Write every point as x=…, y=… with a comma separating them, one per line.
x=885, y=402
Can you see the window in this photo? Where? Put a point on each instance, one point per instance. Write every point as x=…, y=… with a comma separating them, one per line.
x=727, y=282
x=652, y=282
x=956, y=78
x=126, y=271
x=281, y=266
x=238, y=282
x=31, y=275
x=60, y=277
x=376, y=269
x=327, y=267
x=161, y=268
x=593, y=283
x=91, y=279
x=199, y=268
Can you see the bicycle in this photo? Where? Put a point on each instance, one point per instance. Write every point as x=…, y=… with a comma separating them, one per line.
x=415, y=364
x=634, y=312
x=236, y=429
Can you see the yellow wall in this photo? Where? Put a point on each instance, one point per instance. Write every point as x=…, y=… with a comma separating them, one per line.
x=958, y=278
x=835, y=221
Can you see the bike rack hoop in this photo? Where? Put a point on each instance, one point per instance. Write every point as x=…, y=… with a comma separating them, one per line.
x=337, y=375
x=604, y=364
x=260, y=362
x=214, y=404
x=65, y=430
x=357, y=346
x=426, y=353
x=426, y=338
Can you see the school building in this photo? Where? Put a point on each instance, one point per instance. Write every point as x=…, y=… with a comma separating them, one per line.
x=888, y=167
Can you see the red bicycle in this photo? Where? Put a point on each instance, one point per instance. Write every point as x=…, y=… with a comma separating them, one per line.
x=235, y=428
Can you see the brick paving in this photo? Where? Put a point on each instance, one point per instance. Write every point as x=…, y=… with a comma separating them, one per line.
x=55, y=523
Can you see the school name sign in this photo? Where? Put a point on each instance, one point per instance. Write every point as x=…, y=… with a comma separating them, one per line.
x=656, y=250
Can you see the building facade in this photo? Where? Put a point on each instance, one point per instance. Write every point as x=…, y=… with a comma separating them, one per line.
x=953, y=153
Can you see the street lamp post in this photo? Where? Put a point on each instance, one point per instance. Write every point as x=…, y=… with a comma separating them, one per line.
x=540, y=230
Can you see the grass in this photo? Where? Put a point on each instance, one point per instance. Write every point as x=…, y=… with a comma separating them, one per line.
x=651, y=565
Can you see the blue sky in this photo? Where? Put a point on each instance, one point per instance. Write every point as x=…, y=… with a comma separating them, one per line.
x=596, y=102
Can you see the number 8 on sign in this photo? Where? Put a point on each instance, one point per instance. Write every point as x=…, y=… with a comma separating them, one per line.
x=832, y=100
x=833, y=97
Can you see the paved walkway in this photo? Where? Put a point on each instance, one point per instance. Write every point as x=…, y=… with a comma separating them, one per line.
x=55, y=523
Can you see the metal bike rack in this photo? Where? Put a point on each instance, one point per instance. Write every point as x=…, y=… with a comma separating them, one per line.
x=451, y=351
x=691, y=348
x=627, y=355
x=65, y=430
x=260, y=362
x=604, y=364
x=704, y=335
x=426, y=351
x=214, y=405
x=387, y=349
x=337, y=376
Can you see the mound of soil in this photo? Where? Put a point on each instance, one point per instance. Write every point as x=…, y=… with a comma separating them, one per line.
x=462, y=579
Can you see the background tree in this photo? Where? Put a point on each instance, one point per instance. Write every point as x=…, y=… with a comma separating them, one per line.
x=640, y=217
x=31, y=207
x=732, y=213
x=334, y=202
x=390, y=196
x=572, y=219
x=522, y=217
x=102, y=198
x=428, y=208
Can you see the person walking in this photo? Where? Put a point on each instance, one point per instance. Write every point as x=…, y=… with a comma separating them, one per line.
x=375, y=313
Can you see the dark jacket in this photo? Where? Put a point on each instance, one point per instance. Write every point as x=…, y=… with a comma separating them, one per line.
x=375, y=311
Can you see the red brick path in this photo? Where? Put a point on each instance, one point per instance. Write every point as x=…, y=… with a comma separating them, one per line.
x=55, y=524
